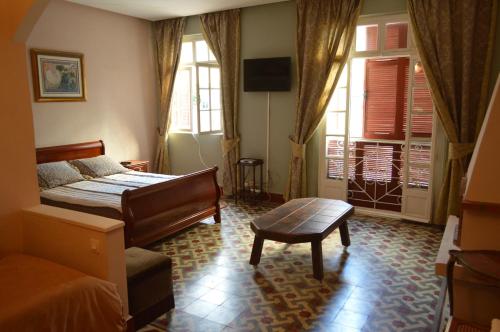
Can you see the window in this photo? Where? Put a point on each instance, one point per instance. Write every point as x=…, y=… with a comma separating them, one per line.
x=396, y=35
x=196, y=101
x=378, y=128
x=366, y=38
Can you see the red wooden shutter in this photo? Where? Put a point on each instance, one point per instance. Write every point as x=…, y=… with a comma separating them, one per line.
x=421, y=120
x=396, y=36
x=372, y=38
x=386, y=84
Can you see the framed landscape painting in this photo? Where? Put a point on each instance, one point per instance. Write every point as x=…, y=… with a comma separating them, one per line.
x=57, y=76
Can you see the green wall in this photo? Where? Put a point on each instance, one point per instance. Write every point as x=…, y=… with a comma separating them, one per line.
x=269, y=31
x=266, y=31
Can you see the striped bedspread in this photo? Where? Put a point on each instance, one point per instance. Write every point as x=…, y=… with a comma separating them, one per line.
x=105, y=191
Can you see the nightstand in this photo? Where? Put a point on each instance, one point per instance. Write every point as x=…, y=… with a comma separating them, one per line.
x=136, y=165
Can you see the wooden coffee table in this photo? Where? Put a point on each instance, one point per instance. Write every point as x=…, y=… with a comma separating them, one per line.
x=299, y=221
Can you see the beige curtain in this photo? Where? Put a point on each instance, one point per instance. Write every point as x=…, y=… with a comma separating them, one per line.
x=455, y=41
x=222, y=33
x=168, y=37
x=325, y=30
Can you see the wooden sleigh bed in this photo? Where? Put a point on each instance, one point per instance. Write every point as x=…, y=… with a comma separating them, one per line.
x=151, y=212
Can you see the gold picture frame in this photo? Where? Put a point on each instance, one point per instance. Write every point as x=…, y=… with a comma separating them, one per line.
x=57, y=76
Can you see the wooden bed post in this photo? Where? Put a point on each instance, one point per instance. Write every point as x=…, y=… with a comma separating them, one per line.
x=217, y=216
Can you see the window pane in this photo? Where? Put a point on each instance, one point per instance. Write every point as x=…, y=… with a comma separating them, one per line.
x=181, y=101
x=204, y=99
x=422, y=100
x=203, y=77
x=396, y=36
x=335, y=150
x=187, y=52
x=357, y=102
x=204, y=121
x=421, y=125
x=215, y=99
x=366, y=38
x=419, y=177
x=338, y=102
x=335, y=169
x=419, y=74
x=343, y=78
x=211, y=56
x=215, y=78
x=201, y=50
x=419, y=169
x=420, y=153
x=335, y=123
x=334, y=146
x=421, y=120
x=216, y=121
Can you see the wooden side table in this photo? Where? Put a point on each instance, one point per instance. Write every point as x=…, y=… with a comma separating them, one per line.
x=136, y=165
x=252, y=163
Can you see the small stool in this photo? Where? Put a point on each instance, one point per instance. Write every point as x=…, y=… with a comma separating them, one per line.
x=149, y=282
x=243, y=164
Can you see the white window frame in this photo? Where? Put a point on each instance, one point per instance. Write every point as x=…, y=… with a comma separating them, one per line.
x=337, y=188
x=191, y=129
x=194, y=68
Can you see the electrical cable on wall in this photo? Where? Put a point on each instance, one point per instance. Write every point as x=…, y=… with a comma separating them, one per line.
x=199, y=151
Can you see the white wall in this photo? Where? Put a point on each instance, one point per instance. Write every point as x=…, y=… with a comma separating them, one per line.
x=121, y=104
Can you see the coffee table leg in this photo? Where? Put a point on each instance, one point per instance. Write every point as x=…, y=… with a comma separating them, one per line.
x=256, y=250
x=344, y=234
x=317, y=258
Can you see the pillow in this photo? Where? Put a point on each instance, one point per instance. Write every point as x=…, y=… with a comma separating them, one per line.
x=98, y=166
x=57, y=173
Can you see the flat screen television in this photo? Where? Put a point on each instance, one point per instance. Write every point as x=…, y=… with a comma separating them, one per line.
x=270, y=74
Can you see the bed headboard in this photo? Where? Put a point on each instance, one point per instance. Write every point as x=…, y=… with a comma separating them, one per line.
x=69, y=152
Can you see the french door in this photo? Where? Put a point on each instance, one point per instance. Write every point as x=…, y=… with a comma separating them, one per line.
x=376, y=150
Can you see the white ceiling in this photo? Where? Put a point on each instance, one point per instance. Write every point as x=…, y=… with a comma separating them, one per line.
x=154, y=10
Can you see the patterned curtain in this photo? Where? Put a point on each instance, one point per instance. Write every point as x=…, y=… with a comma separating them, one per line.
x=325, y=30
x=455, y=42
x=168, y=37
x=222, y=33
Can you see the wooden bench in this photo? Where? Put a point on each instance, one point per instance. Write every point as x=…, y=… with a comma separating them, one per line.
x=302, y=220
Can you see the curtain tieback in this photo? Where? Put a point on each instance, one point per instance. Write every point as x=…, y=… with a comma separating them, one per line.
x=162, y=138
x=459, y=150
x=298, y=150
x=229, y=145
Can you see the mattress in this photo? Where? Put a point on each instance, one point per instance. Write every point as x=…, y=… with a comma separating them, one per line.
x=102, y=195
x=40, y=295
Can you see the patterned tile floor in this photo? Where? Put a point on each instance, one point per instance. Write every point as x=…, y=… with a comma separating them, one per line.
x=383, y=282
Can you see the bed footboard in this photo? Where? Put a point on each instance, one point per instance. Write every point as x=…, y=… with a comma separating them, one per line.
x=162, y=209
